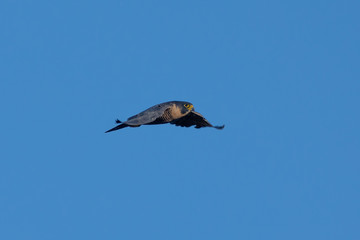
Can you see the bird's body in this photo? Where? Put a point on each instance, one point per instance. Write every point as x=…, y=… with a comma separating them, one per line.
x=175, y=112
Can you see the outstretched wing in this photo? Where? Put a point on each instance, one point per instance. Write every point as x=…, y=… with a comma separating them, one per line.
x=194, y=118
x=157, y=114
x=120, y=126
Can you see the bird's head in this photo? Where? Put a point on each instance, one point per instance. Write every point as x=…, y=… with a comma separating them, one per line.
x=186, y=107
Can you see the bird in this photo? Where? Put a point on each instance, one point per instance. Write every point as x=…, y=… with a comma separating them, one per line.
x=179, y=113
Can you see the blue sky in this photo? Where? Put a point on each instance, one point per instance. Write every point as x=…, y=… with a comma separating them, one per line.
x=282, y=76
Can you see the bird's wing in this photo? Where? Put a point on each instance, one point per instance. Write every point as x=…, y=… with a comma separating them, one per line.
x=147, y=116
x=194, y=118
x=120, y=126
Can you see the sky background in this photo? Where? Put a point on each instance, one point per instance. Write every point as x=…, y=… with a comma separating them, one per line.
x=283, y=76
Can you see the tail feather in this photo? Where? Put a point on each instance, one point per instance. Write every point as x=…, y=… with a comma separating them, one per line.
x=117, y=127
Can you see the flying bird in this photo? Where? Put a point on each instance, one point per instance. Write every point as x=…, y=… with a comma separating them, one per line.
x=178, y=113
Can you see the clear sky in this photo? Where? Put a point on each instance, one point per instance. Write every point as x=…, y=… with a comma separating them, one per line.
x=283, y=76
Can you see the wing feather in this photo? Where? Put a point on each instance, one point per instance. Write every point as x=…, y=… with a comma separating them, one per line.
x=194, y=118
x=148, y=116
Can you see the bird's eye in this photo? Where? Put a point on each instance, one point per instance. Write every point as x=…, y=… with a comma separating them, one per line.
x=188, y=106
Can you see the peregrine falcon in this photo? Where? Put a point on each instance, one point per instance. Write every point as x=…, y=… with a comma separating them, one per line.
x=175, y=112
